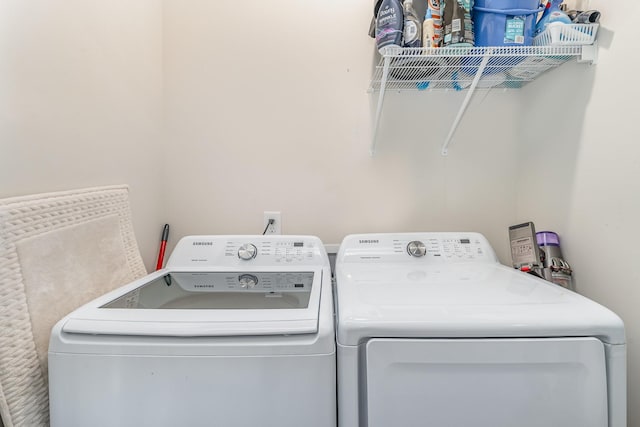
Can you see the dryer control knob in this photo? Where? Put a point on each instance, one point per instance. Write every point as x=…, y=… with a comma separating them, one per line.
x=247, y=251
x=247, y=281
x=416, y=248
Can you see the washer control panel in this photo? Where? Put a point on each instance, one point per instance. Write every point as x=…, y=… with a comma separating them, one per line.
x=277, y=251
x=232, y=251
x=417, y=247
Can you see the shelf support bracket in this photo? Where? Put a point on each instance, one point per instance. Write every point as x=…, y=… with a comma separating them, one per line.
x=383, y=87
x=589, y=53
x=465, y=103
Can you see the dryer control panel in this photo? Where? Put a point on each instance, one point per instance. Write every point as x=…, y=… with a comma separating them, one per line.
x=245, y=251
x=430, y=248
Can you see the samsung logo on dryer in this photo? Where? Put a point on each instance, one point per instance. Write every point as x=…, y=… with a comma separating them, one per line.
x=369, y=241
x=202, y=243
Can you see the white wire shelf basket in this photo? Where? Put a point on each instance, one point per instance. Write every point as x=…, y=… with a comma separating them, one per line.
x=454, y=68
x=558, y=33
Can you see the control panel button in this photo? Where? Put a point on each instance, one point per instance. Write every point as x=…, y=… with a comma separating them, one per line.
x=416, y=248
x=247, y=281
x=247, y=251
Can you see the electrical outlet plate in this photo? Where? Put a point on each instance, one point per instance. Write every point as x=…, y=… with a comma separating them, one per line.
x=276, y=227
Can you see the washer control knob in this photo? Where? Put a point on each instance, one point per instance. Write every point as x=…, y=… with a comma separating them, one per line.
x=247, y=281
x=247, y=251
x=416, y=248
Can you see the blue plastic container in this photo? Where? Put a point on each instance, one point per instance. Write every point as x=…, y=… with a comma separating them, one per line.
x=505, y=22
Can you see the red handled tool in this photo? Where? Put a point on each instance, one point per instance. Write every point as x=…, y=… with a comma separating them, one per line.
x=163, y=246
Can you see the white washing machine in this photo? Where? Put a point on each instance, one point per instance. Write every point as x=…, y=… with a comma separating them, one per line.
x=235, y=331
x=433, y=331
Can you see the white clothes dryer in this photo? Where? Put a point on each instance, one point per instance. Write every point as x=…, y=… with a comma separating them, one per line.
x=433, y=331
x=235, y=331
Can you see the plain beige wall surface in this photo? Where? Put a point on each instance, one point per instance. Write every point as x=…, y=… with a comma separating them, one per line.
x=81, y=101
x=581, y=157
x=266, y=108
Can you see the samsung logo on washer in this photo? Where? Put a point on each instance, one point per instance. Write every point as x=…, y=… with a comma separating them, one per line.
x=369, y=241
x=202, y=243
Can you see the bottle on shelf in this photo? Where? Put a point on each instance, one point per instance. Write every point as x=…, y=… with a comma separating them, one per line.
x=469, y=36
x=436, y=13
x=552, y=13
x=428, y=30
x=457, y=17
x=389, y=26
x=412, y=26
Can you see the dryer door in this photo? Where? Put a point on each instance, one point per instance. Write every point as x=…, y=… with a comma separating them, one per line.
x=486, y=382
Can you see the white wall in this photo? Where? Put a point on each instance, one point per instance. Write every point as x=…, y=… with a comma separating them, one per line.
x=266, y=108
x=579, y=155
x=81, y=101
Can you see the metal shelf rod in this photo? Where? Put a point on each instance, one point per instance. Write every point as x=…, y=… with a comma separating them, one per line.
x=383, y=85
x=465, y=103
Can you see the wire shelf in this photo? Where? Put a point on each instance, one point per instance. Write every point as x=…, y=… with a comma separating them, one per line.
x=467, y=68
x=454, y=68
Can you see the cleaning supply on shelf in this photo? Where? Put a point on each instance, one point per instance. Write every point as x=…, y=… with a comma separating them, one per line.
x=412, y=32
x=551, y=14
x=583, y=17
x=505, y=22
x=572, y=14
x=587, y=17
x=434, y=8
x=469, y=35
x=389, y=26
x=543, y=17
x=458, y=26
x=428, y=30
x=372, y=25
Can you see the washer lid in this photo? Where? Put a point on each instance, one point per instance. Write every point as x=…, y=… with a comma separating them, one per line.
x=207, y=303
x=472, y=299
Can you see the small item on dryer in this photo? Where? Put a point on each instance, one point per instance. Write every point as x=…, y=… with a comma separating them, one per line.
x=539, y=254
x=555, y=269
x=525, y=253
